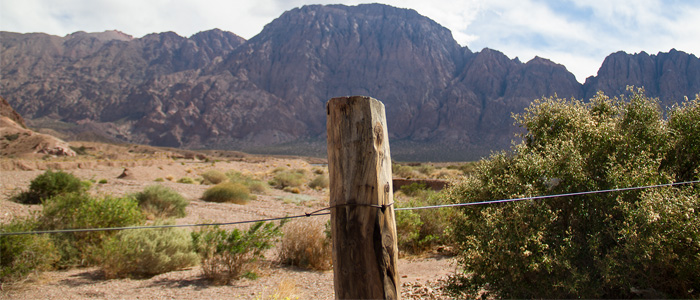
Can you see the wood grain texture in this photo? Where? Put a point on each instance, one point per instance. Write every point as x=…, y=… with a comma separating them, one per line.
x=364, y=237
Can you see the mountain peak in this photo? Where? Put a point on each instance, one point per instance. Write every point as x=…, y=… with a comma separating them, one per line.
x=104, y=36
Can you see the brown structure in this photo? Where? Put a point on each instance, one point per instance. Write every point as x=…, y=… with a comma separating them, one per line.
x=362, y=216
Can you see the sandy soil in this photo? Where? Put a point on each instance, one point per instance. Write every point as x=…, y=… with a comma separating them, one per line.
x=420, y=276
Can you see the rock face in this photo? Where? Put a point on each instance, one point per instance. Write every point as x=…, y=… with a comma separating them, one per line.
x=7, y=111
x=216, y=90
x=668, y=76
x=17, y=141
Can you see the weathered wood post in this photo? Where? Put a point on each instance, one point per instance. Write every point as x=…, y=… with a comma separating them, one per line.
x=362, y=215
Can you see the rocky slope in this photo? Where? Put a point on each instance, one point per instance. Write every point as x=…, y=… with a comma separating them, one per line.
x=216, y=90
x=18, y=141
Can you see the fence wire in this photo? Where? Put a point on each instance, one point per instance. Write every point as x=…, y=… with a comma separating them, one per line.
x=320, y=212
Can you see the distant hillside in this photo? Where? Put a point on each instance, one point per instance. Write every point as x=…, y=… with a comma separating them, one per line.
x=217, y=90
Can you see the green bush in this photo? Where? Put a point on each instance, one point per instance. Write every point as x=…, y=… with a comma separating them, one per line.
x=228, y=255
x=661, y=245
x=227, y=192
x=186, y=180
x=23, y=254
x=162, y=202
x=416, y=190
x=50, y=184
x=422, y=230
x=213, y=177
x=78, y=211
x=255, y=186
x=320, y=182
x=607, y=245
x=146, y=252
x=288, y=178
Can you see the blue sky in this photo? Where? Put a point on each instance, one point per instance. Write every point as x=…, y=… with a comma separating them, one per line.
x=576, y=33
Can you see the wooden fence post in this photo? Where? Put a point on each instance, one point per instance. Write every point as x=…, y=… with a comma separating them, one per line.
x=362, y=215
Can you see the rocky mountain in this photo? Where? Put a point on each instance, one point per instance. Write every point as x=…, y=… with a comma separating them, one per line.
x=216, y=90
x=18, y=141
x=668, y=76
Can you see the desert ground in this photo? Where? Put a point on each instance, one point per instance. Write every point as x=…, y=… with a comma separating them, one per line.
x=421, y=276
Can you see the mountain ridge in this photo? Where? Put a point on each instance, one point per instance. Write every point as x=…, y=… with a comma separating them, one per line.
x=217, y=90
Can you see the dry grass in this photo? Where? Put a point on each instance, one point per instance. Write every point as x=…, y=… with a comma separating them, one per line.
x=306, y=245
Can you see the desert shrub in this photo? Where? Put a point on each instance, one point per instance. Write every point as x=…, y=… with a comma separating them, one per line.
x=24, y=254
x=288, y=178
x=11, y=137
x=227, y=192
x=213, y=177
x=662, y=247
x=162, y=202
x=305, y=244
x=604, y=245
x=228, y=255
x=293, y=190
x=50, y=184
x=102, y=181
x=146, y=252
x=425, y=169
x=684, y=156
x=320, y=182
x=79, y=150
x=186, y=180
x=76, y=211
x=466, y=168
x=254, y=185
x=159, y=179
x=422, y=230
x=416, y=189
x=403, y=171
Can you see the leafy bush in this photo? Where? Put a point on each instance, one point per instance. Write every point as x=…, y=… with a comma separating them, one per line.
x=288, y=178
x=320, y=182
x=76, y=211
x=228, y=255
x=305, y=245
x=146, y=252
x=213, y=177
x=162, y=202
x=662, y=247
x=421, y=230
x=606, y=245
x=254, y=185
x=48, y=185
x=416, y=189
x=24, y=254
x=227, y=192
